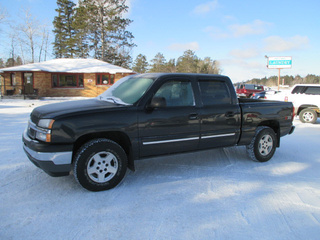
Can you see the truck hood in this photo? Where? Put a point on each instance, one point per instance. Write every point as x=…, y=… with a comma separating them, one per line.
x=71, y=107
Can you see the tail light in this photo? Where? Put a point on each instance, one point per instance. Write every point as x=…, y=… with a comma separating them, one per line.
x=292, y=113
x=253, y=94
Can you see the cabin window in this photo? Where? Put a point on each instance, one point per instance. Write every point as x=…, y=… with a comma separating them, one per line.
x=105, y=79
x=67, y=80
x=13, y=80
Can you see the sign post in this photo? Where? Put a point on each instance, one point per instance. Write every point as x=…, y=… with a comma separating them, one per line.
x=279, y=63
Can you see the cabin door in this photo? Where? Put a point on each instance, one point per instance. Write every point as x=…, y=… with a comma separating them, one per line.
x=28, y=83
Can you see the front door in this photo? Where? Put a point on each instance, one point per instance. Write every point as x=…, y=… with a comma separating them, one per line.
x=28, y=83
x=174, y=127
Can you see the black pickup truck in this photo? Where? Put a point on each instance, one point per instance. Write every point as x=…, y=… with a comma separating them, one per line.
x=147, y=115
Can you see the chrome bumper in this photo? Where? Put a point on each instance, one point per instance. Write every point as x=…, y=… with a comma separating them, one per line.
x=53, y=163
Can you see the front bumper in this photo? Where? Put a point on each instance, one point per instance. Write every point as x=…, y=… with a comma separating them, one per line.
x=54, y=163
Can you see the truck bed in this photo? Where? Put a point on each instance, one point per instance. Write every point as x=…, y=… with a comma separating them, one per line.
x=256, y=112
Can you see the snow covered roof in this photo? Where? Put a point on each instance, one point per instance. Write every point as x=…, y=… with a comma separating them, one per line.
x=70, y=66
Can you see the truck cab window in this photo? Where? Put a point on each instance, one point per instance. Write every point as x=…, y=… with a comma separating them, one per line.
x=176, y=93
x=214, y=92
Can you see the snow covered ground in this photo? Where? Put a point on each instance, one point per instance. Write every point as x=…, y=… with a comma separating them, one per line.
x=216, y=194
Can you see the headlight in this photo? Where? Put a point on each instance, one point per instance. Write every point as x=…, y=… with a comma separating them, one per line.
x=44, y=136
x=46, y=123
x=43, y=130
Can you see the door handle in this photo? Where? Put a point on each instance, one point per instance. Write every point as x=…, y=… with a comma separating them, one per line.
x=193, y=116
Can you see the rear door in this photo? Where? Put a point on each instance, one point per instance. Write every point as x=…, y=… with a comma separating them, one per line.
x=219, y=116
x=175, y=127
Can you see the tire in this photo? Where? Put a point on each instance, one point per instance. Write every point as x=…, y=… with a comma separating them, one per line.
x=263, y=145
x=308, y=116
x=100, y=164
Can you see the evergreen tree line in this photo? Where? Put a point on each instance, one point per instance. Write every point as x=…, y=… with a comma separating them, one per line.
x=285, y=80
x=93, y=28
x=187, y=63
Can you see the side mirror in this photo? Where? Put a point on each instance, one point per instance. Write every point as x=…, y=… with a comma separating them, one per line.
x=157, y=102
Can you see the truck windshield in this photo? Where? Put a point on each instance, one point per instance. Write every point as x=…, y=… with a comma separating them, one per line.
x=127, y=90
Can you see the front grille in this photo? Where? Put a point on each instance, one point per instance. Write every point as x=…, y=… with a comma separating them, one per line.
x=31, y=130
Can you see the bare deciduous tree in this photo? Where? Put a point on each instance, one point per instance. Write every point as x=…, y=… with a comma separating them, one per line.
x=29, y=32
x=44, y=42
x=3, y=15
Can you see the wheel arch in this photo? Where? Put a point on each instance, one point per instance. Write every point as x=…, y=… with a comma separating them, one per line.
x=302, y=107
x=275, y=126
x=119, y=137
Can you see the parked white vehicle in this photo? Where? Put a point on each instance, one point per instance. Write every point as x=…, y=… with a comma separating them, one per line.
x=306, y=101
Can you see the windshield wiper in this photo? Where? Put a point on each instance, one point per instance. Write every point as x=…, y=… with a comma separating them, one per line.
x=114, y=100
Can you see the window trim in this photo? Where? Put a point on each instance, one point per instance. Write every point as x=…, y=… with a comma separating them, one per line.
x=110, y=82
x=77, y=75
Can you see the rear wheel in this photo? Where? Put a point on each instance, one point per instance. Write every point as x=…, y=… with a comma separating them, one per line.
x=308, y=116
x=263, y=145
x=100, y=164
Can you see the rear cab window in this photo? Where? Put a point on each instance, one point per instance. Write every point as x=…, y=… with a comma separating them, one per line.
x=298, y=89
x=312, y=90
x=214, y=92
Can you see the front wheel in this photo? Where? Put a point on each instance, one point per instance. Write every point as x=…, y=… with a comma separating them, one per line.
x=308, y=116
x=100, y=164
x=263, y=145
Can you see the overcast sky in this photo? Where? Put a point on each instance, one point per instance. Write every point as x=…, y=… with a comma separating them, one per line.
x=237, y=33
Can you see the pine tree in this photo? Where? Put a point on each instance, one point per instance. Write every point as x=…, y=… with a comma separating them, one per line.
x=159, y=63
x=10, y=62
x=188, y=63
x=64, y=44
x=1, y=63
x=140, y=65
x=120, y=57
x=208, y=66
x=18, y=61
x=110, y=41
x=171, y=66
x=81, y=28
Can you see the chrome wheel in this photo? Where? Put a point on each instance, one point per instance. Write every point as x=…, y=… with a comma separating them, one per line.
x=102, y=167
x=265, y=145
x=308, y=117
x=100, y=164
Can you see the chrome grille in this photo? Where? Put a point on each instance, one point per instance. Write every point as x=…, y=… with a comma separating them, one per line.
x=31, y=130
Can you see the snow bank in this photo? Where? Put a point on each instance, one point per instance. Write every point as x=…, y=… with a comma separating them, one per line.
x=215, y=194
